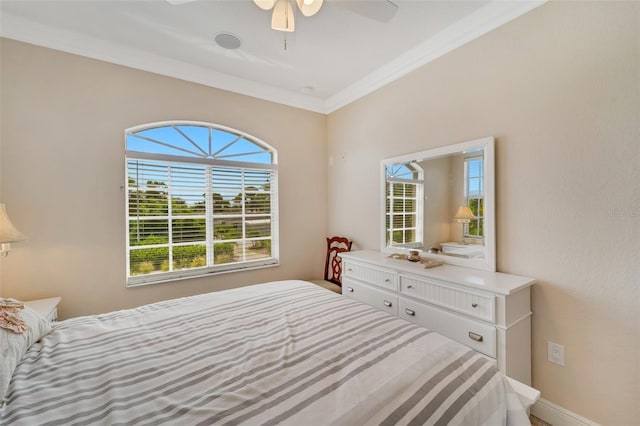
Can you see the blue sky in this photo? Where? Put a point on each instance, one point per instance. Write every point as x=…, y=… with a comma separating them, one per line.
x=199, y=135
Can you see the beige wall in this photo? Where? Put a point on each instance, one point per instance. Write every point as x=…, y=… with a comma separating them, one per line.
x=437, y=194
x=63, y=120
x=559, y=88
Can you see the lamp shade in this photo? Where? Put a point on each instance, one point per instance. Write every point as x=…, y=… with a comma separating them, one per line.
x=464, y=214
x=8, y=232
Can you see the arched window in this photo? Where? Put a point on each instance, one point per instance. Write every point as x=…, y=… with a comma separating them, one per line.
x=404, y=210
x=201, y=199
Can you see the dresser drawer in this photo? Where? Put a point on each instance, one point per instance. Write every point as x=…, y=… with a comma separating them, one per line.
x=378, y=298
x=478, y=336
x=379, y=277
x=473, y=304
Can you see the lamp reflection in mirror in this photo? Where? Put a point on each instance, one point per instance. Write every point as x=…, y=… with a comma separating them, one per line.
x=8, y=232
x=463, y=215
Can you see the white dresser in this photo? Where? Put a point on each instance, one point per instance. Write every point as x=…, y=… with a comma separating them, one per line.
x=463, y=250
x=487, y=311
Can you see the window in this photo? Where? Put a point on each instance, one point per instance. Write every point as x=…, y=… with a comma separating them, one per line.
x=201, y=199
x=474, y=194
x=404, y=195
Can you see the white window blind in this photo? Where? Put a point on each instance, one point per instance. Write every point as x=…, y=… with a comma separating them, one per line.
x=194, y=217
x=404, y=194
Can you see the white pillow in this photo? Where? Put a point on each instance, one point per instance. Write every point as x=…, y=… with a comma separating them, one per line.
x=13, y=345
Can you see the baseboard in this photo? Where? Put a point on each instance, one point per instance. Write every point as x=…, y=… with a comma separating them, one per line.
x=557, y=415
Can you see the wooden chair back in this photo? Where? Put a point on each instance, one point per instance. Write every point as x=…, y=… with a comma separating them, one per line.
x=333, y=264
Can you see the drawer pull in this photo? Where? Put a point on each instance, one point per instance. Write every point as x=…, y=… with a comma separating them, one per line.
x=410, y=312
x=349, y=269
x=387, y=303
x=409, y=286
x=350, y=289
x=474, y=305
x=387, y=280
x=475, y=336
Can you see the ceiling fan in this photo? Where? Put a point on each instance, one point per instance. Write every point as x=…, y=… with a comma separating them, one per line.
x=283, y=16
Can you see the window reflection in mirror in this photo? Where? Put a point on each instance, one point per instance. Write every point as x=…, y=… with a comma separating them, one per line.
x=437, y=201
x=404, y=192
x=474, y=193
x=450, y=182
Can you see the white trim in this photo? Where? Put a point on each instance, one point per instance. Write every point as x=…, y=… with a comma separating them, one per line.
x=485, y=19
x=176, y=159
x=419, y=210
x=208, y=165
x=488, y=144
x=239, y=133
x=168, y=279
x=21, y=29
x=559, y=416
x=511, y=324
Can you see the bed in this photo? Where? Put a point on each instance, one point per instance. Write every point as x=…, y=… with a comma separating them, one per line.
x=285, y=352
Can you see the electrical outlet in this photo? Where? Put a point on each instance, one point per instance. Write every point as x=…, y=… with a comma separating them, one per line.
x=555, y=353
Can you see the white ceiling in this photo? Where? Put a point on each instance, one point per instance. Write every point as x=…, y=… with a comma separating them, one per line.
x=337, y=53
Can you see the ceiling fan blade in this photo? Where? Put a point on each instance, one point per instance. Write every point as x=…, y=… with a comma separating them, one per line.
x=379, y=10
x=178, y=2
x=283, y=17
x=265, y=4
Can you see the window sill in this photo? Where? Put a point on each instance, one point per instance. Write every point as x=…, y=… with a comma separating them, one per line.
x=187, y=276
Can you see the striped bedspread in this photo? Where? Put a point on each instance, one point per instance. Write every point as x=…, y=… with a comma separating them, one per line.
x=286, y=352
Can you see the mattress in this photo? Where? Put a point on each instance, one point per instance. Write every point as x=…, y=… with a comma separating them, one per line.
x=286, y=352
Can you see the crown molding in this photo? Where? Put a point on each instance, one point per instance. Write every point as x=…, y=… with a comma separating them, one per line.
x=485, y=19
x=28, y=31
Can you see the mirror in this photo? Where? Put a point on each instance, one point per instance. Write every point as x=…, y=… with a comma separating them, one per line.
x=442, y=202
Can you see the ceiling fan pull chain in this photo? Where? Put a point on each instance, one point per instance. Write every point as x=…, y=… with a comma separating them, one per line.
x=286, y=17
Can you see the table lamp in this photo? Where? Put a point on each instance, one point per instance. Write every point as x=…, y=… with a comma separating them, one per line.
x=8, y=232
x=463, y=215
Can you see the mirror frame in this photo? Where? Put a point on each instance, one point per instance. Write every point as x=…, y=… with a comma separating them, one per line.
x=488, y=144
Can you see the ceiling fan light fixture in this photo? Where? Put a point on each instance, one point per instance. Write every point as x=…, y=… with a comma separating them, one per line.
x=265, y=4
x=309, y=7
x=283, y=18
